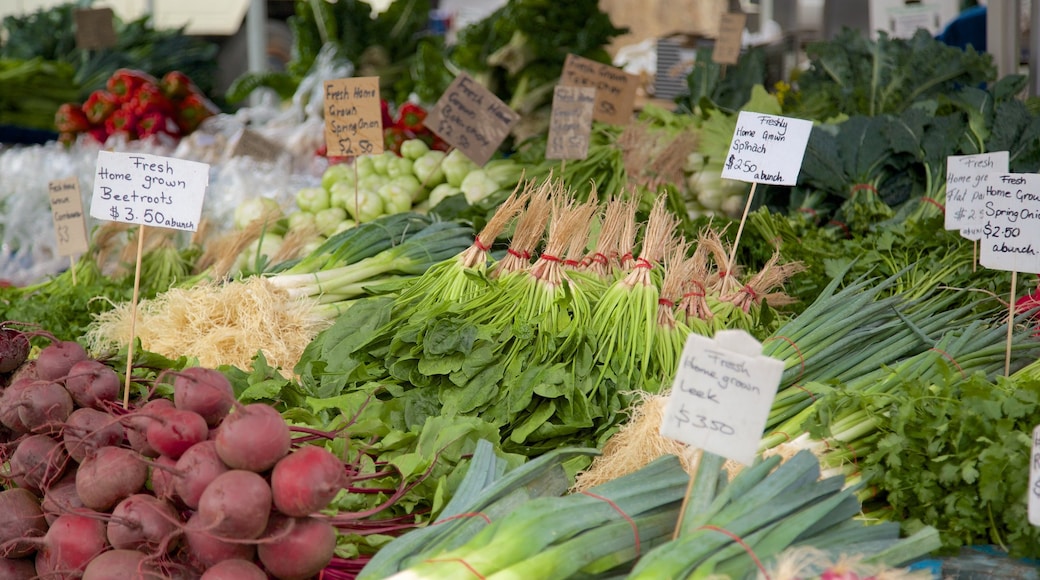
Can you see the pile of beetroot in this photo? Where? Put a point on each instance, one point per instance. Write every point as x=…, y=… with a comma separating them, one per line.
x=197, y=487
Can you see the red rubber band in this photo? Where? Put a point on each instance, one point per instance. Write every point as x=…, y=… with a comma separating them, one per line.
x=843, y=226
x=643, y=263
x=750, y=291
x=460, y=561
x=571, y=263
x=864, y=186
x=951, y=359
x=855, y=458
x=742, y=544
x=522, y=256
x=626, y=257
x=550, y=258
x=927, y=199
x=786, y=436
x=631, y=522
x=665, y=302
x=480, y=245
x=801, y=358
x=810, y=393
x=599, y=258
x=481, y=515
x=702, y=292
x=723, y=273
x=808, y=210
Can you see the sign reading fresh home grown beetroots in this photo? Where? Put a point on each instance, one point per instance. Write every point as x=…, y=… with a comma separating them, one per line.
x=471, y=119
x=967, y=177
x=570, y=124
x=721, y=395
x=70, y=224
x=353, y=117
x=615, y=88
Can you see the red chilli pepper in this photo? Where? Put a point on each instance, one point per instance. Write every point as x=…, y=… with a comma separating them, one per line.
x=410, y=117
x=99, y=133
x=149, y=99
x=124, y=121
x=384, y=109
x=71, y=119
x=124, y=82
x=177, y=85
x=99, y=105
x=393, y=137
x=156, y=122
x=193, y=110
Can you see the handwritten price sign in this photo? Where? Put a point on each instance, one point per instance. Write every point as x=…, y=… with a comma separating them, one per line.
x=967, y=178
x=471, y=119
x=571, y=122
x=1011, y=223
x=767, y=149
x=353, y=118
x=615, y=88
x=136, y=188
x=722, y=394
x=1034, y=480
x=70, y=225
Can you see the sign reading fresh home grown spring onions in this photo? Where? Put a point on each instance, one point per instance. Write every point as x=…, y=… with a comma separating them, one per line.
x=967, y=177
x=353, y=117
x=471, y=119
x=721, y=395
x=571, y=122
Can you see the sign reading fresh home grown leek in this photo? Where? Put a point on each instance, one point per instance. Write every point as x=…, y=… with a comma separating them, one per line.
x=721, y=395
x=471, y=119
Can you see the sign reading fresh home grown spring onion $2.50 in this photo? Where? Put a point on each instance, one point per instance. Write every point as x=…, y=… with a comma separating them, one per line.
x=767, y=149
x=149, y=190
x=967, y=177
x=721, y=395
x=1011, y=223
x=353, y=117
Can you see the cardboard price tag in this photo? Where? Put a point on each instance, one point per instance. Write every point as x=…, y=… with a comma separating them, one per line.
x=767, y=149
x=471, y=119
x=136, y=188
x=353, y=118
x=95, y=28
x=1034, y=480
x=70, y=224
x=967, y=177
x=1011, y=223
x=615, y=88
x=571, y=123
x=731, y=38
x=249, y=143
x=722, y=394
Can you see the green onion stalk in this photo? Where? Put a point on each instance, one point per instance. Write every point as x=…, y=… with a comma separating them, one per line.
x=624, y=321
x=671, y=333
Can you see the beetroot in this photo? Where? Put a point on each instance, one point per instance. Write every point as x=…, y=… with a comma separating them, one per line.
x=17, y=569
x=205, y=550
x=296, y=548
x=9, y=405
x=234, y=570
x=37, y=461
x=162, y=477
x=110, y=475
x=236, y=505
x=173, y=431
x=91, y=383
x=72, y=541
x=137, y=426
x=61, y=497
x=143, y=522
x=204, y=391
x=14, y=349
x=89, y=429
x=44, y=406
x=254, y=438
x=57, y=358
x=122, y=564
x=306, y=480
x=199, y=466
x=20, y=517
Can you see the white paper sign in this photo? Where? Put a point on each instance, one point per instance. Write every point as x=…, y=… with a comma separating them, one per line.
x=722, y=394
x=967, y=177
x=136, y=188
x=1011, y=223
x=767, y=149
x=1034, y=480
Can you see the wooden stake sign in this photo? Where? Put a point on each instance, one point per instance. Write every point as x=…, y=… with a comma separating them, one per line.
x=615, y=88
x=765, y=149
x=721, y=395
x=147, y=190
x=571, y=122
x=95, y=28
x=731, y=38
x=353, y=117
x=471, y=119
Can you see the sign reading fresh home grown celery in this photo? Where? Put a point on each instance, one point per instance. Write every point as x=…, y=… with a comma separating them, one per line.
x=70, y=225
x=967, y=177
x=1011, y=223
x=471, y=119
x=571, y=122
x=353, y=117
x=149, y=190
x=721, y=395
x=615, y=88
x=767, y=149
